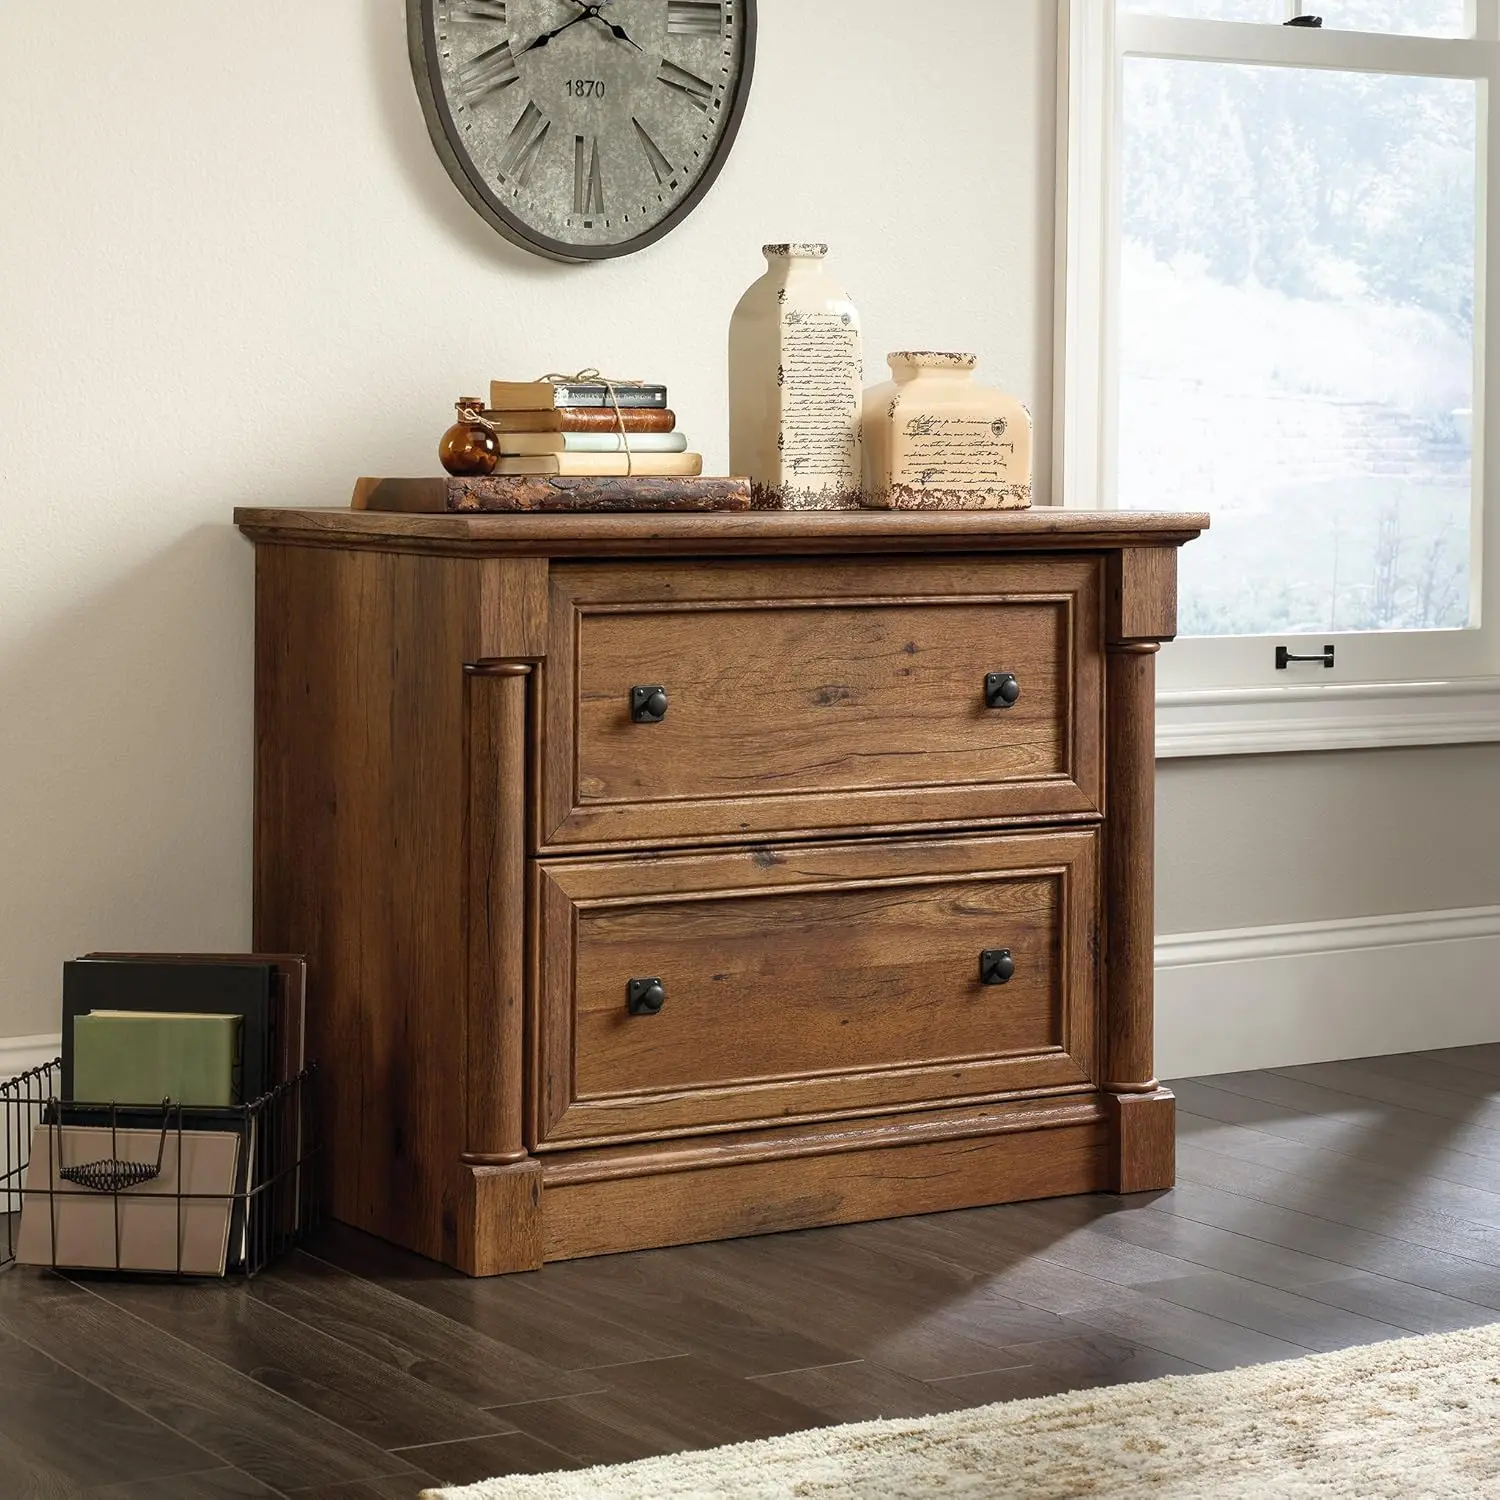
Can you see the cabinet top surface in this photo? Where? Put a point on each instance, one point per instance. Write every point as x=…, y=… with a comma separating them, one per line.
x=658, y=534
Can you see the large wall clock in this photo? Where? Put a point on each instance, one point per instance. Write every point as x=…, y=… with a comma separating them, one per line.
x=583, y=129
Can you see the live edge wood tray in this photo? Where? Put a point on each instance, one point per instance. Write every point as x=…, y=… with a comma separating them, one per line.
x=673, y=877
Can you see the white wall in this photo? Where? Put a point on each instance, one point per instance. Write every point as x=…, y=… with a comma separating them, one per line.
x=232, y=271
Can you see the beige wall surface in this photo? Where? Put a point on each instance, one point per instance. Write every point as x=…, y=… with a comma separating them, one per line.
x=233, y=271
x=1272, y=839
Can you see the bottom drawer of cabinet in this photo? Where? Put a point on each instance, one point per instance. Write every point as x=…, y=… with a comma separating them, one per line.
x=700, y=992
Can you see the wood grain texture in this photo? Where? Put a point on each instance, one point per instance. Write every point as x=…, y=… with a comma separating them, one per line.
x=1145, y=1141
x=1130, y=871
x=766, y=532
x=458, y=820
x=806, y=698
x=596, y=1218
x=494, y=1066
x=791, y=991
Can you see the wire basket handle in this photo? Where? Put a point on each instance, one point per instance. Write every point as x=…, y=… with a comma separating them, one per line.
x=111, y=1175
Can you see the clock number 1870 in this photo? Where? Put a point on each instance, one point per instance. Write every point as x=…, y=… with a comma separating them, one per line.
x=585, y=88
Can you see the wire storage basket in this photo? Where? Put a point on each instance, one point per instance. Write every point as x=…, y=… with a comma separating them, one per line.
x=172, y=1190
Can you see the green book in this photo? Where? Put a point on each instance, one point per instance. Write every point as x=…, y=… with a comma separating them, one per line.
x=143, y=1057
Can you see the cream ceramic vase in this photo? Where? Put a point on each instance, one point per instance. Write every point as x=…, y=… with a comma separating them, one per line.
x=796, y=378
x=934, y=440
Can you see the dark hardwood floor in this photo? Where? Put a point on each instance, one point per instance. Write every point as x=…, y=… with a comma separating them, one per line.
x=1317, y=1207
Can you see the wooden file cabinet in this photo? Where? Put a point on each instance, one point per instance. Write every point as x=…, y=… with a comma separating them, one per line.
x=667, y=878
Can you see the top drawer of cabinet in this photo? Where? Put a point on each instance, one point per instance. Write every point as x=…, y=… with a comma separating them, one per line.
x=739, y=700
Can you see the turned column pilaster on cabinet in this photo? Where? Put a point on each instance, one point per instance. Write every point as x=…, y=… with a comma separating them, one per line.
x=504, y=1181
x=1141, y=614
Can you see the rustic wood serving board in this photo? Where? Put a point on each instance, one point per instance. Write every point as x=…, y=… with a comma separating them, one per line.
x=540, y=494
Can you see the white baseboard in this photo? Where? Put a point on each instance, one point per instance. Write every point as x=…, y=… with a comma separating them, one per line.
x=18, y=1054
x=1273, y=997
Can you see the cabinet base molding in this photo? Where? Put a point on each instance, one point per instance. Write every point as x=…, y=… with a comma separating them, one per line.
x=1145, y=1141
x=882, y=1173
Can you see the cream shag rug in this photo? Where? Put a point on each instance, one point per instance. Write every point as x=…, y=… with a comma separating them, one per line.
x=1416, y=1419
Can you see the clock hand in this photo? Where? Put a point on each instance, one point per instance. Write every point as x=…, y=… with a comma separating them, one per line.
x=619, y=31
x=556, y=31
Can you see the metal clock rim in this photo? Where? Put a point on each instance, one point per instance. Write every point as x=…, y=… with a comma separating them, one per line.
x=441, y=126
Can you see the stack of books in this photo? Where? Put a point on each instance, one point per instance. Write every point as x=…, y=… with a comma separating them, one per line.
x=588, y=429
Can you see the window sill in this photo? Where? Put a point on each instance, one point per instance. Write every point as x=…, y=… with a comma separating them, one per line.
x=1354, y=716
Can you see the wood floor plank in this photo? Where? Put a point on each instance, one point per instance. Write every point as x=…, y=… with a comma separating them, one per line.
x=1304, y=1321
x=393, y=1487
x=1208, y=1247
x=1478, y=1205
x=1379, y=1121
x=481, y=1458
x=647, y=1293
x=239, y=1422
x=215, y=1484
x=1415, y=1308
x=520, y=1312
x=1083, y=1363
x=662, y=1406
x=848, y=1293
x=398, y=1334
x=1393, y=1213
x=1358, y=1248
x=860, y=1391
x=24, y=1476
x=1482, y=1059
x=1363, y=1082
x=1388, y=1146
x=1431, y=1072
x=232, y=1325
x=44, y=1406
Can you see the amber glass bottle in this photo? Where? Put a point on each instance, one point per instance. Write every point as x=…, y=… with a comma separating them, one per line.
x=470, y=447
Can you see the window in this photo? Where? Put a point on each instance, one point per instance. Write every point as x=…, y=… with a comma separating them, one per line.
x=1274, y=310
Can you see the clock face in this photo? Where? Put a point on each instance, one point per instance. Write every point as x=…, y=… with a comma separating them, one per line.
x=583, y=130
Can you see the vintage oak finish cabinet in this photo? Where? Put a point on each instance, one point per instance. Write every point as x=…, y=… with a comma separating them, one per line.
x=667, y=878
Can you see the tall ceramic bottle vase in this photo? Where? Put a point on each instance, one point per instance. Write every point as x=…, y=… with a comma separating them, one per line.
x=796, y=371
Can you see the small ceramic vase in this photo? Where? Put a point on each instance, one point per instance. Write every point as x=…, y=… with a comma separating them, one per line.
x=796, y=377
x=934, y=440
x=470, y=448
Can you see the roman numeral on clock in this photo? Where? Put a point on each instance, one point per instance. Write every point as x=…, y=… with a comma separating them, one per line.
x=695, y=18
x=699, y=90
x=492, y=70
x=469, y=11
x=588, y=182
x=654, y=154
x=524, y=143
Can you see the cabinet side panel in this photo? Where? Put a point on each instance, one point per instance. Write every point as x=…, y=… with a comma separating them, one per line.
x=360, y=861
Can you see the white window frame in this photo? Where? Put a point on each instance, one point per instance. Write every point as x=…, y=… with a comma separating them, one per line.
x=1218, y=697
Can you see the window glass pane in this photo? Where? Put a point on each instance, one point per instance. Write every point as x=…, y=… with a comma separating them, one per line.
x=1273, y=11
x=1410, y=17
x=1297, y=340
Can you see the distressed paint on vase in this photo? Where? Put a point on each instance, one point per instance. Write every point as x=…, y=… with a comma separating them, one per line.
x=934, y=440
x=796, y=377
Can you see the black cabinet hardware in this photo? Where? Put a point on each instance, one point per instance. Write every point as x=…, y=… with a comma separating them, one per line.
x=645, y=997
x=648, y=705
x=1001, y=689
x=996, y=966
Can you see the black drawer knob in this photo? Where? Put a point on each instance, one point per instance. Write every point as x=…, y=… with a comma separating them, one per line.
x=645, y=997
x=996, y=966
x=1001, y=689
x=648, y=705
